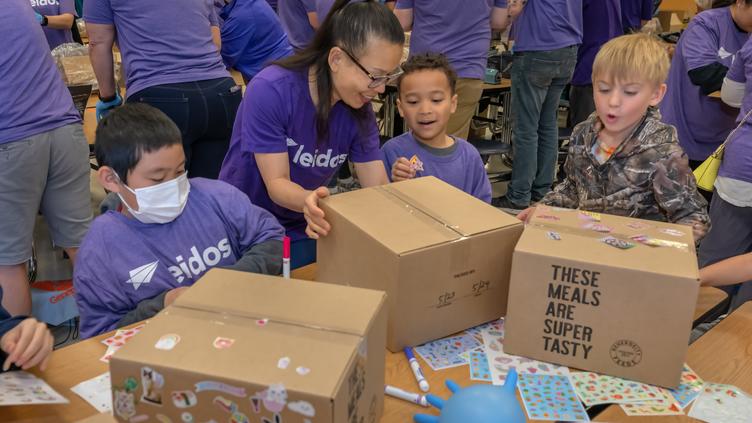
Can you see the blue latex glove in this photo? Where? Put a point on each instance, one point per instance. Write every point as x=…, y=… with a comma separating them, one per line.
x=39, y=17
x=104, y=108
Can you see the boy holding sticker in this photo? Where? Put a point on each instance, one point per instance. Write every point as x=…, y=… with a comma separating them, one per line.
x=623, y=160
x=426, y=100
x=170, y=230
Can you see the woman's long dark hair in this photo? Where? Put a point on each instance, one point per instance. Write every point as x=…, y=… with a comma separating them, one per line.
x=350, y=26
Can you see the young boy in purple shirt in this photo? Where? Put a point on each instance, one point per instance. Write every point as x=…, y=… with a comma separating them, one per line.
x=172, y=230
x=56, y=18
x=426, y=100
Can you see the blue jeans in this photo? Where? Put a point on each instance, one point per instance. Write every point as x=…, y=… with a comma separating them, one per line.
x=538, y=79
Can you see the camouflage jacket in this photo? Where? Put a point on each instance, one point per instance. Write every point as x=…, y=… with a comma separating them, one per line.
x=647, y=177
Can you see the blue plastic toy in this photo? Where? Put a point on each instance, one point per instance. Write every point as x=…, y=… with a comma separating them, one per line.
x=477, y=404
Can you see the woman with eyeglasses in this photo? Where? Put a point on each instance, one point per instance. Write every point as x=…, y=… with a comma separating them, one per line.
x=305, y=115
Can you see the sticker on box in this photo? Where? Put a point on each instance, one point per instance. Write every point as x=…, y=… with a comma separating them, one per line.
x=222, y=343
x=617, y=243
x=184, y=399
x=303, y=408
x=167, y=342
x=553, y=235
x=152, y=383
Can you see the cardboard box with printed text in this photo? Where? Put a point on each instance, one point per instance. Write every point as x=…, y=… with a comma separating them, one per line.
x=245, y=347
x=442, y=256
x=603, y=293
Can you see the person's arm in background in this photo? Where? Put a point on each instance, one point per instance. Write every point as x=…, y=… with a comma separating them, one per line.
x=101, y=30
x=403, y=10
x=733, y=88
x=24, y=342
x=216, y=37
x=699, y=44
x=731, y=271
x=63, y=21
x=501, y=17
x=390, y=4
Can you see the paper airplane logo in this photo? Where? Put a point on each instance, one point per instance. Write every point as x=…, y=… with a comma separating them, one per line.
x=291, y=142
x=722, y=53
x=142, y=274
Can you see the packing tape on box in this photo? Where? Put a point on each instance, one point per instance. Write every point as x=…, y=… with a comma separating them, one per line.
x=541, y=221
x=415, y=206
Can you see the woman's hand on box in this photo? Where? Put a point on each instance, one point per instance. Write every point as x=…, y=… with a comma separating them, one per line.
x=314, y=216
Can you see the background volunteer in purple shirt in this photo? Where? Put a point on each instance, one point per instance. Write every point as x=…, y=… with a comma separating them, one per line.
x=44, y=157
x=170, y=62
x=601, y=21
x=701, y=60
x=731, y=207
x=306, y=115
x=251, y=36
x=324, y=6
x=56, y=17
x=635, y=14
x=171, y=230
x=300, y=21
x=461, y=30
x=548, y=34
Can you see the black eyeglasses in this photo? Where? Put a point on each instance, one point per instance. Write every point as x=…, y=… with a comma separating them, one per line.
x=376, y=80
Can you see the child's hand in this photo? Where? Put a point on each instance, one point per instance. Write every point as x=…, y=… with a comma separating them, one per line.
x=27, y=345
x=314, y=216
x=173, y=295
x=523, y=215
x=401, y=170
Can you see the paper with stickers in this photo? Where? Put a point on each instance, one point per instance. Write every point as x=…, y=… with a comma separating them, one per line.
x=719, y=403
x=22, y=388
x=550, y=397
x=689, y=387
x=97, y=392
x=594, y=388
x=500, y=362
x=479, y=367
x=117, y=340
x=665, y=405
x=495, y=324
x=444, y=353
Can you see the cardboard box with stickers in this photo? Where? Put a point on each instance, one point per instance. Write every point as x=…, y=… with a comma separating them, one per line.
x=442, y=256
x=243, y=347
x=603, y=293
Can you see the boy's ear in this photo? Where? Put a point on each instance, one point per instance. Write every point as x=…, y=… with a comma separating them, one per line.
x=108, y=179
x=399, y=108
x=453, y=107
x=658, y=95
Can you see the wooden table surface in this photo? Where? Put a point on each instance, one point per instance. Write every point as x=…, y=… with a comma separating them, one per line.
x=723, y=355
x=79, y=362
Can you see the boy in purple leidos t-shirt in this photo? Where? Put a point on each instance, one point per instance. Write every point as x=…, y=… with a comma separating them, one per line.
x=56, y=18
x=426, y=100
x=172, y=230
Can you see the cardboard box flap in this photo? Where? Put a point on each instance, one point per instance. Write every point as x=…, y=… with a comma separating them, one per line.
x=302, y=359
x=585, y=235
x=308, y=304
x=455, y=208
x=416, y=214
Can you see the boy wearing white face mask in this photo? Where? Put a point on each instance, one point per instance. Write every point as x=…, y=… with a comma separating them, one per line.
x=170, y=231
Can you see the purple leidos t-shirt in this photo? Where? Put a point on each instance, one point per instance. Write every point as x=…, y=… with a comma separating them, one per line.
x=459, y=29
x=294, y=17
x=162, y=42
x=702, y=123
x=462, y=168
x=602, y=22
x=277, y=115
x=548, y=25
x=34, y=97
x=123, y=261
x=55, y=37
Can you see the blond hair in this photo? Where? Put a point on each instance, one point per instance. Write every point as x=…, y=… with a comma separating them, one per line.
x=632, y=57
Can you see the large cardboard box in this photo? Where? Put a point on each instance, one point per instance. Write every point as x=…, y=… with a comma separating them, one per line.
x=243, y=347
x=442, y=256
x=609, y=307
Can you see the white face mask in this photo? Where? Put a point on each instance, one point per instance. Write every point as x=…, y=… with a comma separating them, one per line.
x=161, y=203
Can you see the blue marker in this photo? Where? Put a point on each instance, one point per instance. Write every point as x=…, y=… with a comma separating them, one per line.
x=417, y=372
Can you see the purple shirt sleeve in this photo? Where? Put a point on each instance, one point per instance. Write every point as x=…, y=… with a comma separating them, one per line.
x=500, y=3
x=646, y=13
x=389, y=155
x=481, y=185
x=212, y=15
x=700, y=47
x=309, y=5
x=263, y=126
x=737, y=72
x=98, y=12
x=68, y=6
x=365, y=147
x=404, y=4
x=249, y=223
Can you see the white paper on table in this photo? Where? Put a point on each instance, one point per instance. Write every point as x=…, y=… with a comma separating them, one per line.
x=22, y=388
x=499, y=362
x=97, y=392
